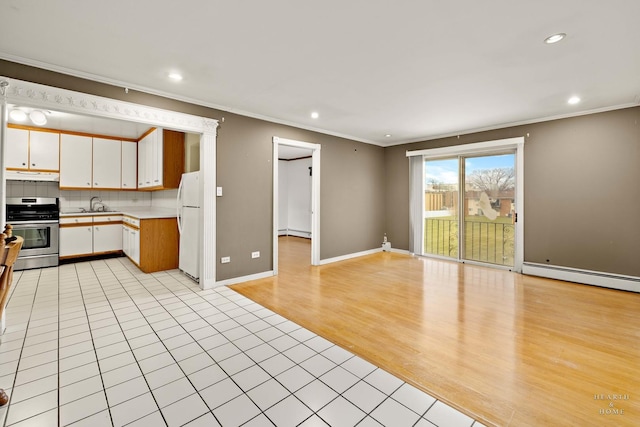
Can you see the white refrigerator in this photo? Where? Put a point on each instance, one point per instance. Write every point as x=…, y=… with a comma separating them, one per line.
x=189, y=224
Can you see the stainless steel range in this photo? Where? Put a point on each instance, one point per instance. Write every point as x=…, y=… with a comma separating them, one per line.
x=36, y=220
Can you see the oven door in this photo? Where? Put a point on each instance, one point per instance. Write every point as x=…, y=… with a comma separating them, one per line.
x=40, y=238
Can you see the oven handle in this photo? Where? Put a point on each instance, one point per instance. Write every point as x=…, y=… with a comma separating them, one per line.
x=31, y=223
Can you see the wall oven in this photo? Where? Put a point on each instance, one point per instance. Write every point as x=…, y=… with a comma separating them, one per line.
x=36, y=220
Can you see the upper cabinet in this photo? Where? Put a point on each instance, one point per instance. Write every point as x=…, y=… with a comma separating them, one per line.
x=32, y=150
x=100, y=163
x=76, y=161
x=129, y=165
x=160, y=160
x=155, y=162
x=107, y=163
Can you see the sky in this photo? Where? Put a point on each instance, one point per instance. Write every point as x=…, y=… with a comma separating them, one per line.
x=446, y=170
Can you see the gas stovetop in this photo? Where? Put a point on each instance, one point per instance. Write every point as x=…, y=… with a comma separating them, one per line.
x=32, y=209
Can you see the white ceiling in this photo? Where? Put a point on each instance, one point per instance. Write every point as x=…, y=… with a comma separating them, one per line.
x=413, y=69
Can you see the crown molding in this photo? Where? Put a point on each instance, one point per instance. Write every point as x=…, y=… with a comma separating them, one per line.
x=51, y=98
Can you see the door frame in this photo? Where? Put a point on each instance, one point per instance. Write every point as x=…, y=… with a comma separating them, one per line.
x=315, y=197
x=489, y=147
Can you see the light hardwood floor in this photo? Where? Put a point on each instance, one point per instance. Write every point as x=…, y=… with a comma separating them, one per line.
x=506, y=349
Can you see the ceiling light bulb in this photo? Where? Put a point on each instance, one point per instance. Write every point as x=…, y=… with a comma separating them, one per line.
x=555, y=38
x=574, y=100
x=38, y=117
x=175, y=77
x=315, y=115
x=388, y=135
x=18, y=115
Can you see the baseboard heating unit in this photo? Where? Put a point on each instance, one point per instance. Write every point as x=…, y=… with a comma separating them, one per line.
x=587, y=277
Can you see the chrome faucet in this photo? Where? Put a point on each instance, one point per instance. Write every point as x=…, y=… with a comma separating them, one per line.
x=92, y=205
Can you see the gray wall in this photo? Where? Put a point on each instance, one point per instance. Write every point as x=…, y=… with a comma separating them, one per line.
x=352, y=178
x=582, y=190
x=581, y=185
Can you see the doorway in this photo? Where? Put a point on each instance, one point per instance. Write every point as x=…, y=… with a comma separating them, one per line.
x=466, y=203
x=477, y=223
x=305, y=213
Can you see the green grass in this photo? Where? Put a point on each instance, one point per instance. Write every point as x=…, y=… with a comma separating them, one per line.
x=485, y=240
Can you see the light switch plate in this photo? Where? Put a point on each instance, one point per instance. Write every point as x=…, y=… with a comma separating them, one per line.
x=219, y=191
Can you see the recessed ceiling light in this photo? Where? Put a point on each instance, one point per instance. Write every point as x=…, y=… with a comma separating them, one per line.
x=38, y=117
x=18, y=115
x=555, y=38
x=388, y=135
x=315, y=115
x=175, y=76
x=574, y=100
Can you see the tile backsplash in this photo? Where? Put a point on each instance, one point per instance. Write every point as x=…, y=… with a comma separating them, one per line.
x=71, y=200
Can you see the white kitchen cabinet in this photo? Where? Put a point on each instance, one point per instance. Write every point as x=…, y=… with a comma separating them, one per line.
x=17, y=149
x=125, y=240
x=148, y=160
x=87, y=235
x=32, y=150
x=107, y=163
x=160, y=160
x=76, y=161
x=44, y=150
x=76, y=240
x=131, y=238
x=107, y=238
x=156, y=158
x=129, y=165
x=134, y=245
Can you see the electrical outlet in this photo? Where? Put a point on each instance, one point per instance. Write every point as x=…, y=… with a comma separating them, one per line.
x=255, y=254
x=225, y=259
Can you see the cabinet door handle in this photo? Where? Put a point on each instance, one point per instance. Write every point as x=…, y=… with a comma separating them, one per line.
x=88, y=183
x=33, y=164
x=24, y=164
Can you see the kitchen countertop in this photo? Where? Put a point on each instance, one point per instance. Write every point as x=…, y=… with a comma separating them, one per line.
x=140, y=212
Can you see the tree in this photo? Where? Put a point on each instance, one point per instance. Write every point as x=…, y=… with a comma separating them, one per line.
x=492, y=181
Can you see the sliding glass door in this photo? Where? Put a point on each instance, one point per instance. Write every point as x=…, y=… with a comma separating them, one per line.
x=479, y=223
x=489, y=208
x=441, y=196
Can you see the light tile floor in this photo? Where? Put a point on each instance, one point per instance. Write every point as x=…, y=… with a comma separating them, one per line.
x=100, y=343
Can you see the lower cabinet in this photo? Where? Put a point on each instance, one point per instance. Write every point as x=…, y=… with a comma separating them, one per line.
x=131, y=242
x=107, y=238
x=76, y=240
x=152, y=244
x=86, y=236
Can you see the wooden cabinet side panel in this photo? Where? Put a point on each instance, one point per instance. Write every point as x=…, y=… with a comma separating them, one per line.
x=173, y=158
x=159, y=244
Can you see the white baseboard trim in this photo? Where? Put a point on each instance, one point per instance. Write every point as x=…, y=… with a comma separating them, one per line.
x=400, y=251
x=241, y=279
x=298, y=233
x=294, y=233
x=349, y=256
x=587, y=277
